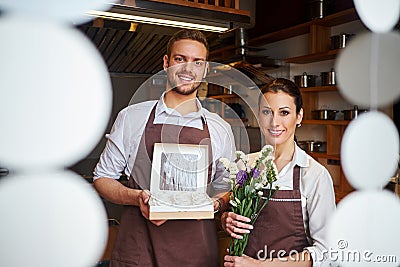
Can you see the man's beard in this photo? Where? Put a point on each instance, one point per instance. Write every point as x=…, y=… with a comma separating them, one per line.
x=178, y=88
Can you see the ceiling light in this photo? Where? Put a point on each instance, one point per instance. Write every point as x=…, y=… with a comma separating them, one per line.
x=155, y=21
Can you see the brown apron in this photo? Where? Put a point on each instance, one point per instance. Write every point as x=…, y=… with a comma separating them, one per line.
x=280, y=225
x=176, y=242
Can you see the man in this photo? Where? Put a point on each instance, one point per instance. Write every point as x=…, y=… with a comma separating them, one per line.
x=176, y=118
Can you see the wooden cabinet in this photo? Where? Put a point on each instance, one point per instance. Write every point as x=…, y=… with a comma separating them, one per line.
x=334, y=132
x=319, y=36
x=319, y=32
x=226, y=112
x=247, y=135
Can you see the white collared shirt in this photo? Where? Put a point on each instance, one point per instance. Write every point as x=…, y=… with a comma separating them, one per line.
x=165, y=115
x=123, y=141
x=317, y=200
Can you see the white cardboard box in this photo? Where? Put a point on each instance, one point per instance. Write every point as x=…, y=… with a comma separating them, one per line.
x=178, y=183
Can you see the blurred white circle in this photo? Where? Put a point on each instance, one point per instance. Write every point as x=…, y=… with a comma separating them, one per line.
x=64, y=11
x=370, y=151
x=378, y=16
x=367, y=69
x=363, y=230
x=51, y=219
x=56, y=95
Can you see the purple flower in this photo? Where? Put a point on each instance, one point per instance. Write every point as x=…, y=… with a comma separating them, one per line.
x=241, y=177
x=255, y=172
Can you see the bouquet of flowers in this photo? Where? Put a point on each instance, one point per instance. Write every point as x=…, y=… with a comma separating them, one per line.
x=247, y=182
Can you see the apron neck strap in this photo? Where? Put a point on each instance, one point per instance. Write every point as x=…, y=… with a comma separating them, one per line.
x=296, y=177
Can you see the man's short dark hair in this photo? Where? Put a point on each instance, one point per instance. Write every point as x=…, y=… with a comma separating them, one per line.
x=194, y=35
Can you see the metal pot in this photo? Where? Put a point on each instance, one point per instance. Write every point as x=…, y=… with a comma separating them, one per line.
x=350, y=114
x=312, y=146
x=324, y=114
x=228, y=90
x=328, y=78
x=340, y=40
x=305, y=80
x=317, y=9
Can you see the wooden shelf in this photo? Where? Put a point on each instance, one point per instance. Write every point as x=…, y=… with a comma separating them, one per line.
x=331, y=54
x=228, y=9
x=227, y=96
x=318, y=89
x=326, y=122
x=341, y=17
x=323, y=155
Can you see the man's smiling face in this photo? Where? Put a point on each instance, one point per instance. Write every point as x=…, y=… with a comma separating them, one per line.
x=186, y=66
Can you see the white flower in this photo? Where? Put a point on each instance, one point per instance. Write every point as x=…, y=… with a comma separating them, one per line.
x=258, y=156
x=275, y=169
x=241, y=165
x=233, y=203
x=258, y=186
x=270, y=157
x=264, y=179
x=240, y=155
x=267, y=147
x=237, y=200
x=233, y=168
x=265, y=161
x=260, y=193
x=225, y=162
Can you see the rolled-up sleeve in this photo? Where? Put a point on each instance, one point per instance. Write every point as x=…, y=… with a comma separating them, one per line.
x=112, y=160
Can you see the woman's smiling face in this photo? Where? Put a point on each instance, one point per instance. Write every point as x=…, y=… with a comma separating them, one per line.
x=278, y=118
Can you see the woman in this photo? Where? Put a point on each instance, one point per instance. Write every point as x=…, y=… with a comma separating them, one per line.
x=291, y=229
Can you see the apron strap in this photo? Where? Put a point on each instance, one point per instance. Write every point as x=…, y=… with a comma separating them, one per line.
x=296, y=177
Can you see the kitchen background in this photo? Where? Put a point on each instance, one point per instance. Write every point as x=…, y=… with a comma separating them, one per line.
x=284, y=39
x=268, y=45
x=268, y=40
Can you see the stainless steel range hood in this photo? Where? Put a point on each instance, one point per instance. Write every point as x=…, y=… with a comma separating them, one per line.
x=245, y=58
x=174, y=15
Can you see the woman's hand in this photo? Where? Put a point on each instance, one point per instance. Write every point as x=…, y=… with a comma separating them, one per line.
x=244, y=260
x=235, y=224
x=144, y=197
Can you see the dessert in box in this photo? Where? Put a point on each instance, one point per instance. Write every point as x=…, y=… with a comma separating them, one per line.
x=178, y=183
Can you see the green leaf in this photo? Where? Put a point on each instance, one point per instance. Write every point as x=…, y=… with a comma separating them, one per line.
x=243, y=206
x=248, y=208
x=246, y=190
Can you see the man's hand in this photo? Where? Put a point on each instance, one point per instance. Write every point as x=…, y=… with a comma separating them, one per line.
x=144, y=197
x=217, y=204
